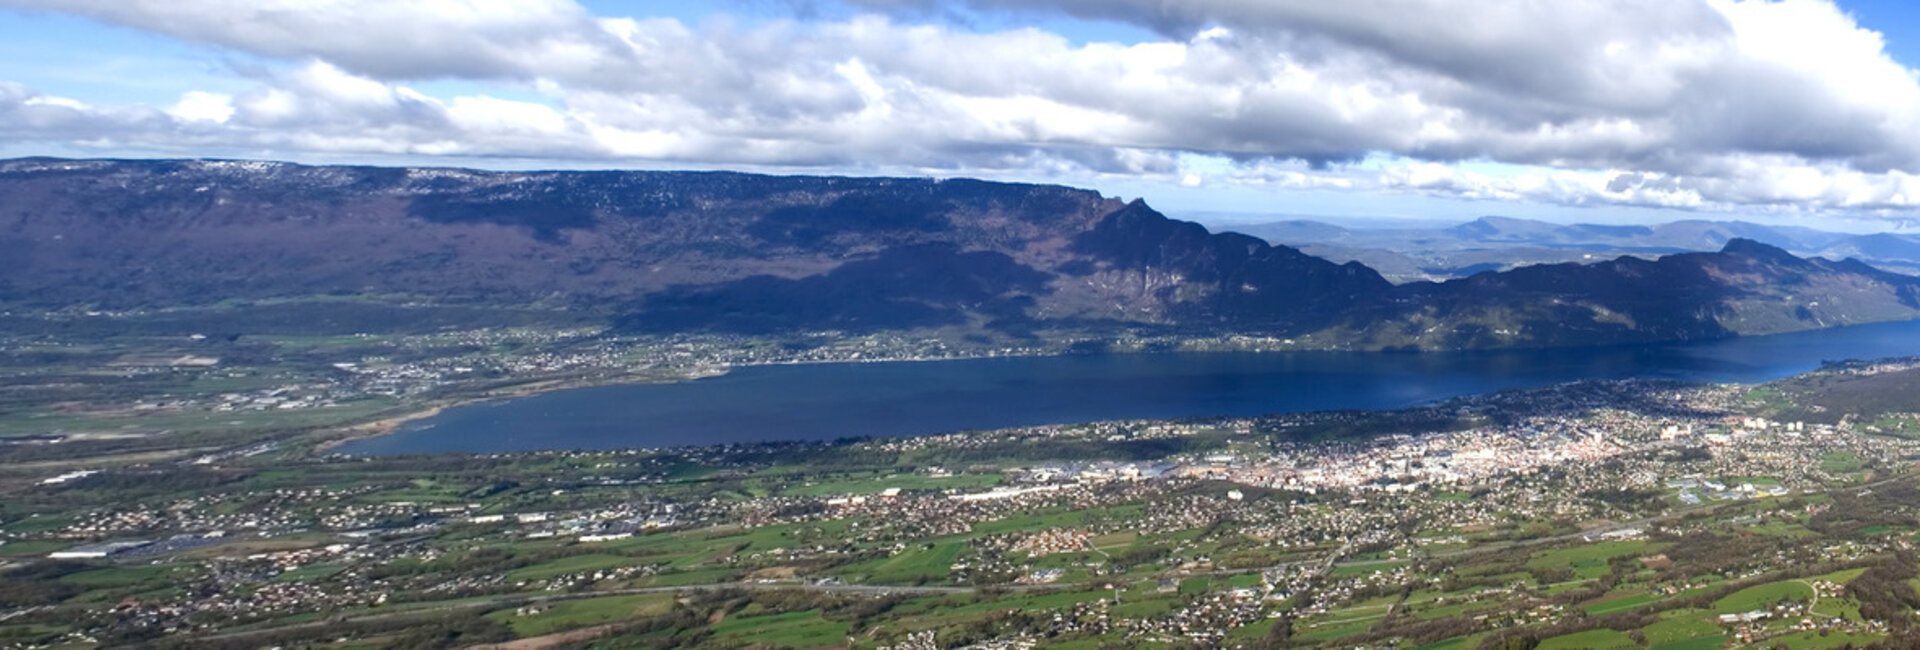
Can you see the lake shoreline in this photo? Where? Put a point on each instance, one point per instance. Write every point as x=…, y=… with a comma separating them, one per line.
x=814, y=400
x=345, y=434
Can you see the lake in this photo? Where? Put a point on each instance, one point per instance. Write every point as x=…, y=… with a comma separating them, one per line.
x=827, y=401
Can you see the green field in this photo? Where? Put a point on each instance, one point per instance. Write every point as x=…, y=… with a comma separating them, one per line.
x=192, y=422
x=1814, y=641
x=1838, y=577
x=918, y=564
x=565, y=615
x=1714, y=642
x=1682, y=626
x=1763, y=596
x=790, y=630
x=1601, y=639
x=31, y=547
x=120, y=576
x=1336, y=630
x=1840, y=462
x=1113, y=541
x=1619, y=604
x=31, y=634
x=1588, y=561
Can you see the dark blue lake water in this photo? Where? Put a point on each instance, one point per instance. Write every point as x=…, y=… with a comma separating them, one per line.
x=826, y=401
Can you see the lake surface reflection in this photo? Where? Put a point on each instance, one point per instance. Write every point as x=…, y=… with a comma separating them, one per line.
x=826, y=401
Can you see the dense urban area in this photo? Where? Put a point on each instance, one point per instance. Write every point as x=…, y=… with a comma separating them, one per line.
x=180, y=491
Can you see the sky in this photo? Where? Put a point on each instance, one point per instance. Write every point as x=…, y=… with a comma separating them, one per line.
x=1795, y=111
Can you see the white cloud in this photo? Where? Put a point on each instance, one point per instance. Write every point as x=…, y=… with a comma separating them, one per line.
x=489, y=114
x=1699, y=104
x=481, y=39
x=202, y=106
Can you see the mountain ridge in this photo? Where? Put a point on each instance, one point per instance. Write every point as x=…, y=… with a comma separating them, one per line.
x=728, y=252
x=1406, y=253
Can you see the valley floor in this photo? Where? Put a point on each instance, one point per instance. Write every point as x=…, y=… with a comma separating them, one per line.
x=1596, y=514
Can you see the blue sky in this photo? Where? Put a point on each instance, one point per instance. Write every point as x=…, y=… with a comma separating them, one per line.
x=1797, y=111
x=1897, y=20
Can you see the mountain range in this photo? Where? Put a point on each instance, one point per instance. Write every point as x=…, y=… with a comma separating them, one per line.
x=722, y=252
x=1405, y=253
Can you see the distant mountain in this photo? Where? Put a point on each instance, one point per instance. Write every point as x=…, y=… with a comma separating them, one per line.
x=1500, y=243
x=739, y=253
x=1298, y=230
x=1885, y=247
x=1746, y=288
x=1503, y=229
x=1692, y=235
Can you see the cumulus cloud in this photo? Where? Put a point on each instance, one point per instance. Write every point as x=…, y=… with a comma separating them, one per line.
x=1672, y=103
x=26, y=115
x=481, y=39
x=202, y=106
